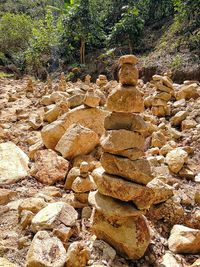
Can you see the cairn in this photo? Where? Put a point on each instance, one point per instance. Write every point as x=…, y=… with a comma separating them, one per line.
x=101, y=81
x=123, y=197
x=30, y=86
x=62, y=83
x=88, y=79
x=165, y=90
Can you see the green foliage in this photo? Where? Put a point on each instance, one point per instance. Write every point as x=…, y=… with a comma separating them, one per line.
x=37, y=33
x=128, y=28
x=5, y=75
x=15, y=31
x=44, y=42
x=177, y=62
x=34, y=8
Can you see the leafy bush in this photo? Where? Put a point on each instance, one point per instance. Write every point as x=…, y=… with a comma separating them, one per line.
x=15, y=32
x=128, y=29
x=44, y=43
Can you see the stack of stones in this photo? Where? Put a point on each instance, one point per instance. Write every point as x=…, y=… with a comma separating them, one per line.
x=101, y=81
x=123, y=197
x=83, y=183
x=62, y=82
x=164, y=88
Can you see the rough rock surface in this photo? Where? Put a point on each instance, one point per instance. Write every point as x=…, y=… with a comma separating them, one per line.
x=176, y=159
x=91, y=118
x=125, y=99
x=119, y=140
x=49, y=168
x=53, y=215
x=13, y=163
x=77, y=255
x=46, y=251
x=130, y=237
x=116, y=187
x=184, y=240
x=76, y=141
x=134, y=170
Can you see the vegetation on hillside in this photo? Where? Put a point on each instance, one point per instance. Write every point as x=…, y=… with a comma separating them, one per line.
x=38, y=34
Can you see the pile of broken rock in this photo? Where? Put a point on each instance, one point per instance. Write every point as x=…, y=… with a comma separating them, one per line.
x=101, y=148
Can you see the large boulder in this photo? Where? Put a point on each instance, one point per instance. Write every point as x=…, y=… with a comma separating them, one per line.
x=138, y=171
x=118, y=188
x=76, y=141
x=52, y=133
x=13, y=163
x=184, y=240
x=49, y=168
x=46, y=251
x=92, y=118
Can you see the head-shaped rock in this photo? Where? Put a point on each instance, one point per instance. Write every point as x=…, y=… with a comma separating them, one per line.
x=128, y=72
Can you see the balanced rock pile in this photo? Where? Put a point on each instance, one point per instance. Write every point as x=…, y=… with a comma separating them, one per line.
x=164, y=87
x=122, y=196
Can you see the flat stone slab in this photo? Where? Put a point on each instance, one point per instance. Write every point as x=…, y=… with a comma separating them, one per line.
x=118, y=188
x=138, y=171
x=113, y=208
x=118, y=140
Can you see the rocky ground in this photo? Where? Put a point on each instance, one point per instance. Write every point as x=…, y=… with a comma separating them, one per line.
x=49, y=150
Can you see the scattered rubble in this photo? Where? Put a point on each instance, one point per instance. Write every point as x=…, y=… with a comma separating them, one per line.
x=100, y=174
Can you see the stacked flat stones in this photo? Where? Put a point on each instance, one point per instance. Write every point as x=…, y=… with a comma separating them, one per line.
x=122, y=196
x=164, y=88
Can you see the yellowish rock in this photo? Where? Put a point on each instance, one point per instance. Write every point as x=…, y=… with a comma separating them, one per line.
x=118, y=140
x=33, y=204
x=130, y=238
x=178, y=118
x=77, y=140
x=138, y=171
x=184, y=240
x=128, y=59
x=91, y=99
x=125, y=99
x=82, y=185
x=91, y=118
x=53, y=215
x=115, y=187
x=5, y=263
x=128, y=74
x=49, y=168
x=77, y=255
x=113, y=209
x=126, y=121
x=13, y=163
x=6, y=195
x=176, y=159
x=187, y=92
x=46, y=251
